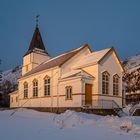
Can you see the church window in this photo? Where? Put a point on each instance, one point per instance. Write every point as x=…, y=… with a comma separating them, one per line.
x=16, y=99
x=26, y=68
x=105, y=83
x=25, y=90
x=35, y=88
x=68, y=92
x=47, y=86
x=116, y=85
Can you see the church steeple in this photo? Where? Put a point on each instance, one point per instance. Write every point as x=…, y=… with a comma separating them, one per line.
x=36, y=42
x=36, y=53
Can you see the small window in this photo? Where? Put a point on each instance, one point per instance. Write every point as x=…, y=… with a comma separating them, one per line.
x=68, y=92
x=26, y=68
x=35, y=88
x=116, y=85
x=25, y=90
x=16, y=99
x=11, y=99
x=105, y=83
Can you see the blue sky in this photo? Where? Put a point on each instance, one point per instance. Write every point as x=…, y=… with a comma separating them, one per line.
x=67, y=24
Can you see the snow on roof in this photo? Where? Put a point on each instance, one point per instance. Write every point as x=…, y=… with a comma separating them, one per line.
x=92, y=58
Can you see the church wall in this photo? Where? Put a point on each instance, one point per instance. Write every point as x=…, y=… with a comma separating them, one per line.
x=58, y=93
x=38, y=58
x=76, y=85
x=112, y=66
x=27, y=59
x=26, y=64
x=35, y=101
x=68, y=66
x=32, y=60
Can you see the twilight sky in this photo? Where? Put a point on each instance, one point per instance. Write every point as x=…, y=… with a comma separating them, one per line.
x=67, y=24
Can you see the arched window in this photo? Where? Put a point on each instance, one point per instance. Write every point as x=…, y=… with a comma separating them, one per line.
x=68, y=92
x=47, y=86
x=115, y=84
x=25, y=90
x=105, y=83
x=35, y=88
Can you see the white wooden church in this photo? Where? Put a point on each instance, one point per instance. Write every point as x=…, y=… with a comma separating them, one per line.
x=73, y=80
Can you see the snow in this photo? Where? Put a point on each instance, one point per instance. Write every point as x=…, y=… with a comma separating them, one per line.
x=132, y=62
x=12, y=75
x=27, y=124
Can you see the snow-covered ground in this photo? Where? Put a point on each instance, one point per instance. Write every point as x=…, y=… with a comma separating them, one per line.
x=27, y=124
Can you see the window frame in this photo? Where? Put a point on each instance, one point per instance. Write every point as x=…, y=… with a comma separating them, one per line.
x=25, y=90
x=12, y=100
x=47, y=86
x=116, y=83
x=35, y=88
x=105, y=83
x=16, y=98
x=68, y=91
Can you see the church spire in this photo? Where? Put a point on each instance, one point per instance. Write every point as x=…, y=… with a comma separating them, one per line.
x=37, y=20
x=36, y=42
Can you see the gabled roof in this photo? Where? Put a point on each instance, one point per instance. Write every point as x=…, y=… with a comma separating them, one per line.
x=96, y=57
x=92, y=58
x=36, y=42
x=56, y=61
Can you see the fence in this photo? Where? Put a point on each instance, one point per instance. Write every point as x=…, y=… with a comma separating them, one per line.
x=100, y=104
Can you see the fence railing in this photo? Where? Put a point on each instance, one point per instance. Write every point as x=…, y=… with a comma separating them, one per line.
x=134, y=108
x=100, y=104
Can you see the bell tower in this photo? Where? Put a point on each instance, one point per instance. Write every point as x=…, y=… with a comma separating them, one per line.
x=36, y=53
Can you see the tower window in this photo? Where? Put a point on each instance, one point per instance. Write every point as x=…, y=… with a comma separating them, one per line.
x=26, y=68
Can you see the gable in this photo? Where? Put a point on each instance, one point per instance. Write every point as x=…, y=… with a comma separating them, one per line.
x=68, y=66
x=96, y=58
x=110, y=63
x=91, y=59
x=114, y=57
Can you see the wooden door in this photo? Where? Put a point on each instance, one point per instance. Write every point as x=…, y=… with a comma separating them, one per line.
x=88, y=94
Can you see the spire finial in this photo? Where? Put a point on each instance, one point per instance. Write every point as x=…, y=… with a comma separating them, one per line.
x=37, y=20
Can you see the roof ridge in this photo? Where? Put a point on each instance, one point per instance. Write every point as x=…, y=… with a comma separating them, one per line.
x=65, y=53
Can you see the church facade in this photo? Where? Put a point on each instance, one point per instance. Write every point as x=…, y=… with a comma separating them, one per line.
x=77, y=79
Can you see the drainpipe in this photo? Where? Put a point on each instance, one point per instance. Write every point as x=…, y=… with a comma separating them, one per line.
x=82, y=89
x=58, y=96
x=52, y=91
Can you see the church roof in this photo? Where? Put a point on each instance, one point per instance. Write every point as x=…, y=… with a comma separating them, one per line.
x=56, y=61
x=92, y=58
x=96, y=58
x=36, y=42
